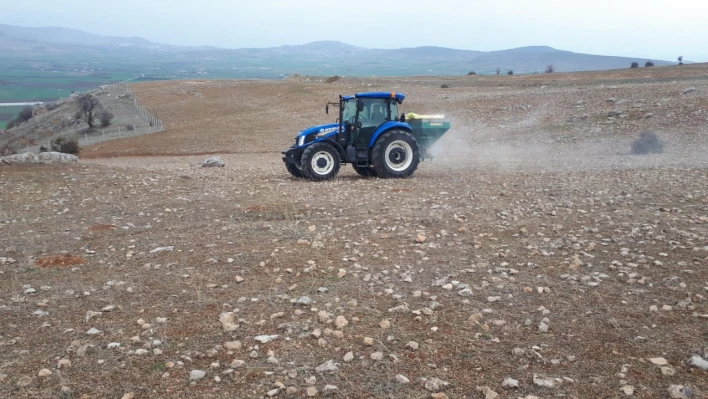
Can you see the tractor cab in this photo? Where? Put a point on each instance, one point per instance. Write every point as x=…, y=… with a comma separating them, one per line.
x=361, y=115
x=368, y=134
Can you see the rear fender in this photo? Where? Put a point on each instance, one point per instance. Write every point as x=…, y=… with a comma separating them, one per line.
x=386, y=127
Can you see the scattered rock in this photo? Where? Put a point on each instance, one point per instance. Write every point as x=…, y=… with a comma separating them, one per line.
x=488, y=393
x=213, y=162
x=377, y=356
x=348, y=357
x=679, y=392
x=698, y=362
x=304, y=300
x=658, y=361
x=439, y=395
x=311, y=391
x=341, y=322
x=690, y=90
x=162, y=249
x=264, y=339
x=233, y=345
x=402, y=379
x=435, y=384
x=510, y=383
x=24, y=382
x=628, y=390
x=327, y=366
x=93, y=331
x=195, y=375
x=44, y=373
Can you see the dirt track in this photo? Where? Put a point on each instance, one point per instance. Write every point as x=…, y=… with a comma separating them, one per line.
x=544, y=221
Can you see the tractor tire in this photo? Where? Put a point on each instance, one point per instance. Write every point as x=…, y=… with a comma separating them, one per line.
x=395, y=154
x=294, y=171
x=320, y=161
x=364, y=171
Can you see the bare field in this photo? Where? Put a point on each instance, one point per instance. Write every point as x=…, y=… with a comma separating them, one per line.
x=534, y=248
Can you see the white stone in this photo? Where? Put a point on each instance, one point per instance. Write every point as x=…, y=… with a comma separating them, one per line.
x=197, y=375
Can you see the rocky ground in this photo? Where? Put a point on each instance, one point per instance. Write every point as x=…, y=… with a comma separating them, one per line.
x=523, y=262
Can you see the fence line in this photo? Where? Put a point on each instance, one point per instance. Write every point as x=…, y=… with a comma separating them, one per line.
x=155, y=124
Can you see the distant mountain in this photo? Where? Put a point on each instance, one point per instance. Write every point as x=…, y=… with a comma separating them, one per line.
x=56, y=48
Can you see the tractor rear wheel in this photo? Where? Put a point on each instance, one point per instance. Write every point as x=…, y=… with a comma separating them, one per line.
x=292, y=168
x=364, y=171
x=395, y=154
x=320, y=161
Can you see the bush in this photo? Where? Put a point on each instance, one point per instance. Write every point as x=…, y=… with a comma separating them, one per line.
x=51, y=106
x=105, y=116
x=498, y=70
x=648, y=64
x=550, y=69
x=66, y=145
x=129, y=127
x=442, y=87
x=25, y=114
x=647, y=142
x=472, y=73
x=680, y=60
x=635, y=64
x=43, y=149
x=510, y=72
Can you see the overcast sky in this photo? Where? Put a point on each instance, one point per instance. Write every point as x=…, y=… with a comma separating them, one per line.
x=652, y=29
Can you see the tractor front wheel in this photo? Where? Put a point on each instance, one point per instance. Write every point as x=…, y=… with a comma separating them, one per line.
x=294, y=171
x=395, y=154
x=364, y=171
x=320, y=161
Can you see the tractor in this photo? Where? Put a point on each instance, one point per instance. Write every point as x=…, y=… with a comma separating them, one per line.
x=368, y=134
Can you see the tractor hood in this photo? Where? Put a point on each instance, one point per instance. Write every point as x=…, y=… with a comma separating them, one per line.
x=312, y=133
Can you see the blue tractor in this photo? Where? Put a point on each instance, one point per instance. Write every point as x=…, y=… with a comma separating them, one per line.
x=368, y=134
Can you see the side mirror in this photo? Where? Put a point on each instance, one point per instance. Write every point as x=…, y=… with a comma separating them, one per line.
x=403, y=117
x=327, y=109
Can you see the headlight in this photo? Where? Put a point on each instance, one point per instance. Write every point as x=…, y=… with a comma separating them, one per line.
x=301, y=141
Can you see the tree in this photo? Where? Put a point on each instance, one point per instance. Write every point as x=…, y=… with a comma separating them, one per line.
x=680, y=60
x=550, y=68
x=635, y=64
x=498, y=70
x=511, y=72
x=105, y=116
x=648, y=64
x=89, y=106
x=472, y=73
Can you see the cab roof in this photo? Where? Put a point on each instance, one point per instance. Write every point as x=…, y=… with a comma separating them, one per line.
x=378, y=94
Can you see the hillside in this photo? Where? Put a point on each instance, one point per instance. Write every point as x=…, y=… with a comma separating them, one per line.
x=66, y=49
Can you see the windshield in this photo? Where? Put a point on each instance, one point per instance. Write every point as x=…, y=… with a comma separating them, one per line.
x=349, y=111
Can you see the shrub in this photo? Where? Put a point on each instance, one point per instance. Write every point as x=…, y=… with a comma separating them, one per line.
x=635, y=64
x=105, y=116
x=498, y=71
x=129, y=127
x=510, y=72
x=43, y=149
x=444, y=87
x=550, y=69
x=66, y=145
x=51, y=106
x=680, y=60
x=472, y=73
x=25, y=114
x=648, y=64
x=647, y=142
